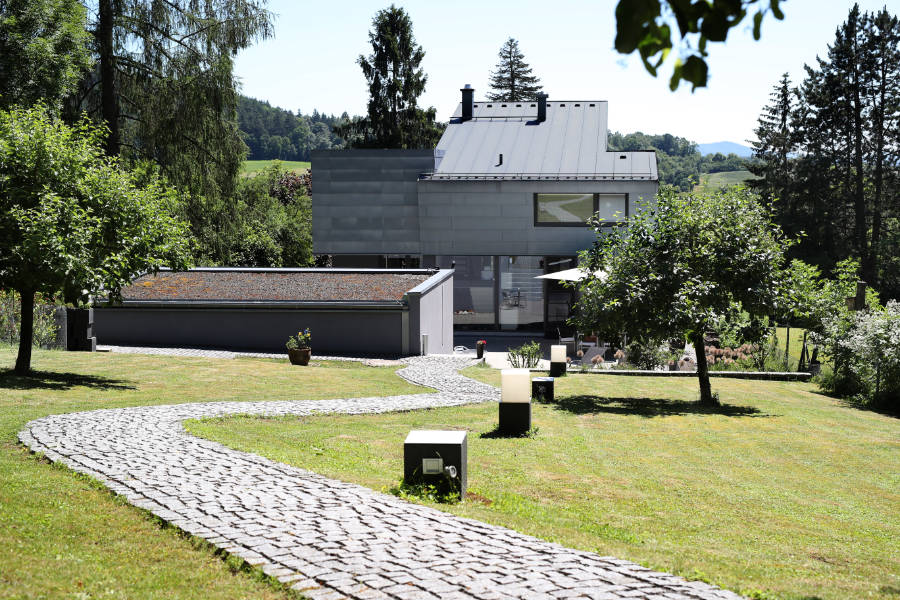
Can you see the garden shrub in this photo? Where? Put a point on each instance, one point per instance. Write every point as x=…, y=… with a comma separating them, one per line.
x=866, y=354
x=526, y=356
x=647, y=355
x=46, y=331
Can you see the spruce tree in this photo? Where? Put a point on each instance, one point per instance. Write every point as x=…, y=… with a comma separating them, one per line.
x=396, y=80
x=774, y=145
x=512, y=80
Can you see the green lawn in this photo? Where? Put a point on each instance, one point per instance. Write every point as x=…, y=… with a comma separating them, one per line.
x=714, y=181
x=782, y=492
x=64, y=536
x=252, y=167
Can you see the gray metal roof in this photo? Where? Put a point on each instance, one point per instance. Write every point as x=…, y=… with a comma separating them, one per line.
x=570, y=144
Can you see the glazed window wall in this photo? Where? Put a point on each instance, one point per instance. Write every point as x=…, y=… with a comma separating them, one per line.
x=521, y=296
x=473, y=289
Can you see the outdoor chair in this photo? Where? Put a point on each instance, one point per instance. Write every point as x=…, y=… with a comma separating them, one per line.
x=568, y=340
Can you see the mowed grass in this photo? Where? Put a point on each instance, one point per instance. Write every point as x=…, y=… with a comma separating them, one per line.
x=782, y=492
x=714, y=181
x=64, y=536
x=252, y=167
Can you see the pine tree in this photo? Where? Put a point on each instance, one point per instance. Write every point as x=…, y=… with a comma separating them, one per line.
x=512, y=80
x=396, y=80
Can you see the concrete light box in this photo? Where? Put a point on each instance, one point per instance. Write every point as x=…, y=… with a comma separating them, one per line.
x=437, y=458
x=542, y=389
x=557, y=360
x=515, y=401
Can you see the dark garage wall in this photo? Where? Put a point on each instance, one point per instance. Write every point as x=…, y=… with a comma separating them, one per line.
x=258, y=329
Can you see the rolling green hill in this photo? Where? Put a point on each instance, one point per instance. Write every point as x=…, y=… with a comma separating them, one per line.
x=714, y=181
x=252, y=167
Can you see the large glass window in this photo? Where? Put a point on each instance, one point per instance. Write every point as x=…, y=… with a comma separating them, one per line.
x=612, y=208
x=521, y=299
x=575, y=209
x=473, y=289
x=568, y=209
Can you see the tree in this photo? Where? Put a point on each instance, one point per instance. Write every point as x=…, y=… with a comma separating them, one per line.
x=72, y=221
x=828, y=151
x=396, y=80
x=680, y=265
x=512, y=81
x=43, y=50
x=165, y=90
x=644, y=25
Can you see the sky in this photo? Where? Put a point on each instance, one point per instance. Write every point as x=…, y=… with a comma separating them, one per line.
x=310, y=63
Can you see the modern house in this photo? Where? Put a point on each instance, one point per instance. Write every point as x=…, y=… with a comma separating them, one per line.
x=502, y=199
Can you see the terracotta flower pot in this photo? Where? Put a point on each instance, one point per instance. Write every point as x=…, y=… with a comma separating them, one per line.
x=300, y=356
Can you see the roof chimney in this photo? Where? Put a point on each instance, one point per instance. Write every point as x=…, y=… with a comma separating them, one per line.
x=542, y=107
x=467, y=93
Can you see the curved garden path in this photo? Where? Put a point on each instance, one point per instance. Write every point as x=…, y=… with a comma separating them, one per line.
x=327, y=538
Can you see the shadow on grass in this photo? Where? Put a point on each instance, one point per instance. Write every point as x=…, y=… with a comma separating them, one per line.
x=497, y=434
x=49, y=380
x=651, y=407
x=881, y=409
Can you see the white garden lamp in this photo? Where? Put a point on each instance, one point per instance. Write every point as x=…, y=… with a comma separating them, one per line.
x=557, y=360
x=515, y=401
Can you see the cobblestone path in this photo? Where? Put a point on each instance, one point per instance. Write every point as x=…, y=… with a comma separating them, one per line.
x=326, y=538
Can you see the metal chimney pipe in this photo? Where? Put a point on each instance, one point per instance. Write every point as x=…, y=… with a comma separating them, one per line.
x=467, y=93
x=542, y=107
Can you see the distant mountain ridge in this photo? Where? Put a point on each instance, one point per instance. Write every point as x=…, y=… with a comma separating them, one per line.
x=725, y=148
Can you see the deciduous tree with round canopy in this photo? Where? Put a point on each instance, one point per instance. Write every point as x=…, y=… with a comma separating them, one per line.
x=682, y=263
x=72, y=220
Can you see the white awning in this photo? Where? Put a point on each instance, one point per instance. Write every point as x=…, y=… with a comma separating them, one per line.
x=571, y=275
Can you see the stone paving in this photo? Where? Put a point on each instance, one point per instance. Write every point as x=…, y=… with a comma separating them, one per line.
x=325, y=538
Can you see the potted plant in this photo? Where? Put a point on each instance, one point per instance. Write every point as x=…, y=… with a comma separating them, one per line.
x=298, y=348
x=479, y=348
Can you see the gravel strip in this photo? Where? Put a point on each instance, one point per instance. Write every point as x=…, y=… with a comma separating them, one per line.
x=326, y=538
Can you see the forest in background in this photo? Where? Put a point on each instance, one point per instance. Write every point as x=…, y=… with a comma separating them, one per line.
x=271, y=132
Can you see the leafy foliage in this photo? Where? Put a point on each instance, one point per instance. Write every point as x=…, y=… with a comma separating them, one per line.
x=512, y=80
x=526, y=356
x=646, y=26
x=45, y=331
x=680, y=265
x=301, y=340
x=275, y=133
x=164, y=87
x=273, y=221
x=73, y=221
x=43, y=50
x=395, y=80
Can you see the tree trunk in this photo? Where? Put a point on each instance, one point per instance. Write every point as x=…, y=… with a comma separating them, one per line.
x=108, y=106
x=859, y=201
x=706, y=396
x=787, y=346
x=26, y=331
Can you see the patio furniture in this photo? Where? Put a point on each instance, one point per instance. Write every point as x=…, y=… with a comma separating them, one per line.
x=568, y=340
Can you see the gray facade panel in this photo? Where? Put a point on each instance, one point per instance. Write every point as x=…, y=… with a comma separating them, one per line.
x=383, y=184
x=474, y=227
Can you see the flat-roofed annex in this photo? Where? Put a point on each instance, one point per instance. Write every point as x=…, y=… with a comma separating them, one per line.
x=235, y=285
x=569, y=144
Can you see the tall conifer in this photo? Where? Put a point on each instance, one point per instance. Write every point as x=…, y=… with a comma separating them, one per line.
x=512, y=80
x=396, y=80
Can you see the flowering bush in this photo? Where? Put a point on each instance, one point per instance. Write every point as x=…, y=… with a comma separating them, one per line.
x=867, y=355
x=301, y=340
